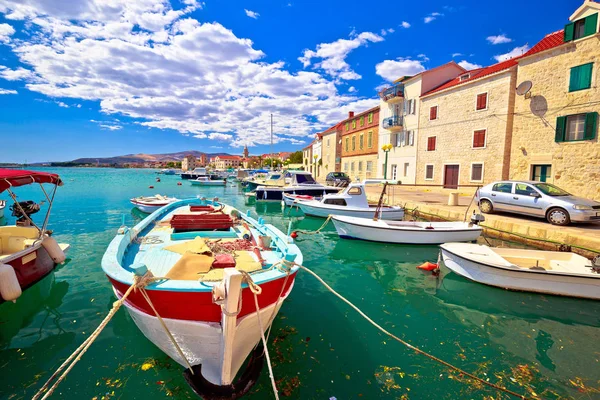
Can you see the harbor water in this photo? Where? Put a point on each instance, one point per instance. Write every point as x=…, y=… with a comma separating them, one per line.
x=540, y=346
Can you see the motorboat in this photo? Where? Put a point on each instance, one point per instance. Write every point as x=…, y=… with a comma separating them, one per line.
x=272, y=179
x=207, y=181
x=552, y=272
x=198, y=173
x=149, y=204
x=167, y=171
x=2, y=207
x=289, y=199
x=28, y=252
x=405, y=232
x=212, y=264
x=252, y=177
x=293, y=182
x=232, y=178
x=352, y=202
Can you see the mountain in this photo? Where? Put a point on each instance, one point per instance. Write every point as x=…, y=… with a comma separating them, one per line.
x=142, y=158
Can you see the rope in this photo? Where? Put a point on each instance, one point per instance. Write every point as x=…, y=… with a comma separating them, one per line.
x=416, y=349
x=318, y=230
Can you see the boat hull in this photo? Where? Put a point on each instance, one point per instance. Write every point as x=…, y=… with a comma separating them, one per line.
x=387, y=213
x=147, y=208
x=276, y=194
x=208, y=183
x=354, y=228
x=522, y=280
x=2, y=207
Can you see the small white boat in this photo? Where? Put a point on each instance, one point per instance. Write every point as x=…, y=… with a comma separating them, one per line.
x=408, y=232
x=206, y=181
x=2, y=207
x=289, y=199
x=149, y=204
x=352, y=202
x=552, y=272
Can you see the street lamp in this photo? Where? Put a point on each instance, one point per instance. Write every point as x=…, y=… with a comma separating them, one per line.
x=316, y=156
x=386, y=148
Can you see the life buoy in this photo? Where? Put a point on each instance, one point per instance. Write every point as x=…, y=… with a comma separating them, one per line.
x=10, y=289
x=53, y=249
x=427, y=266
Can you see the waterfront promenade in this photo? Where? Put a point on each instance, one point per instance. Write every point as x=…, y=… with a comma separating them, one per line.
x=432, y=203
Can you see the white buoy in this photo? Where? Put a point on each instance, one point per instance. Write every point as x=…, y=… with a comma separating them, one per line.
x=10, y=289
x=54, y=250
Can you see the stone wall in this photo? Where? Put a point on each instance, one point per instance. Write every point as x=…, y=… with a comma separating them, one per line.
x=455, y=125
x=355, y=173
x=575, y=166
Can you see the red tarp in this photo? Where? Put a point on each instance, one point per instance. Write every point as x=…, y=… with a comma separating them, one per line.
x=19, y=177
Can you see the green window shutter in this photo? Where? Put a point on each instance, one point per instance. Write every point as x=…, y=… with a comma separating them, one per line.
x=569, y=31
x=591, y=122
x=591, y=24
x=561, y=125
x=585, y=76
x=574, y=79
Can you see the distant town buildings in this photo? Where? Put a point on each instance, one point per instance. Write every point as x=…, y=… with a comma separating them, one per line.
x=226, y=162
x=189, y=163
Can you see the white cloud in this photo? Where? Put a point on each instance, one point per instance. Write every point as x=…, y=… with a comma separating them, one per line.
x=456, y=55
x=15, y=74
x=351, y=89
x=252, y=14
x=384, y=32
x=7, y=91
x=405, y=24
x=394, y=69
x=333, y=55
x=499, y=39
x=111, y=127
x=6, y=31
x=469, y=66
x=61, y=104
x=517, y=51
x=423, y=57
x=432, y=17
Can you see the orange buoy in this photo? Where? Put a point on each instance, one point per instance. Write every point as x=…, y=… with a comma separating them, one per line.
x=178, y=183
x=427, y=266
x=150, y=187
x=294, y=235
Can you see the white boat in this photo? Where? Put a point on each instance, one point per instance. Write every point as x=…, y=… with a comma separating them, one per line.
x=291, y=182
x=2, y=207
x=552, y=272
x=149, y=204
x=289, y=199
x=206, y=181
x=352, y=202
x=408, y=232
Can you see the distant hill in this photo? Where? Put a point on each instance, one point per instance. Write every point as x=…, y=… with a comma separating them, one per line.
x=142, y=158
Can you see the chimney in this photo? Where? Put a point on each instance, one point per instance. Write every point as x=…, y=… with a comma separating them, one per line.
x=350, y=114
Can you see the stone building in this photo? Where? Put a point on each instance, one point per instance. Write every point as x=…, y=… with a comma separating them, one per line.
x=465, y=128
x=331, y=150
x=555, y=135
x=188, y=163
x=307, y=159
x=399, y=120
x=360, y=139
x=225, y=162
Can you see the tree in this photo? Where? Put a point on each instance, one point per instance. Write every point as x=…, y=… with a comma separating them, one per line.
x=296, y=157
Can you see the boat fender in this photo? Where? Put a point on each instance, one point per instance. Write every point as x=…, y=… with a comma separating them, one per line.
x=245, y=233
x=53, y=249
x=429, y=227
x=427, y=266
x=10, y=289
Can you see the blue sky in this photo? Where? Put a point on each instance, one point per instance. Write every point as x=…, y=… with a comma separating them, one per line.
x=82, y=79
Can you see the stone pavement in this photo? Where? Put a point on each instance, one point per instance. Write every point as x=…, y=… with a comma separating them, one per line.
x=432, y=203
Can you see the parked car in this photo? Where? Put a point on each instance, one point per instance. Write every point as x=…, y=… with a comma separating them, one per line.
x=340, y=179
x=538, y=199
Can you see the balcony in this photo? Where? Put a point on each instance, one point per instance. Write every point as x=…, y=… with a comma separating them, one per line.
x=393, y=124
x=393, y=94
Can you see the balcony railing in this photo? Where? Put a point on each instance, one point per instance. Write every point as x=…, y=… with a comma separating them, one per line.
x=392, y=122
x=396, y=91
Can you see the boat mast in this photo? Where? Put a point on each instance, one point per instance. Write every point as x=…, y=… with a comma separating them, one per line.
x=271, y=141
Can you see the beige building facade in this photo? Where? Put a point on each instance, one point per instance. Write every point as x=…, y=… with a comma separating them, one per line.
x=331, y=148
x=555, y=135
x=465, y=128
x=188, y=163
x=360, y=139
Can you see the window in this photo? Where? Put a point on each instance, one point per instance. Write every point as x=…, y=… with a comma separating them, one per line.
x=352, y=166
x=477, y=172
x=541, y=173
x=394, y=171
x=433, y=111
x=465, y=77
x=347, y=144
x=370, y=118
x=524, y=189
x=335, y=202
x=410, y=106
x=353, y=124
x=396, y=140
x=581, y=28
x=369, y=166
x=502, y=187
x=362, y=120
x=355, y=191
x=370, y=139
x=328, y=142
x=353, y=142
x=360, y=166
x=411, y=138
x=479, y=139
x=576, y=127
x=429, y=172
x=361, y=141
x=346, y=167
x=551, y=190
x=581, y=77
x=481, y=102
x=431, y=143
x=406, y=165
x=347, y=126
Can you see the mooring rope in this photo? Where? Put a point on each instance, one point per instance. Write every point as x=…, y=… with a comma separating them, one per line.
x=318, y=230
x=410, y=346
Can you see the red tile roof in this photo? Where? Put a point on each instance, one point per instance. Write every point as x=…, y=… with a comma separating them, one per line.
x=550, y=41
x=229, y=157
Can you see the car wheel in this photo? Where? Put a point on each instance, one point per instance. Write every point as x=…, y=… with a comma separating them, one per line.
x=558, y=216
x=486, y=206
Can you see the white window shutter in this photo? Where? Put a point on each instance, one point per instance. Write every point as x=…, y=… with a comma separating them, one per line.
x=412, y=138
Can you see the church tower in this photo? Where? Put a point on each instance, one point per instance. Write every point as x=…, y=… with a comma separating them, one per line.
x=246, y=152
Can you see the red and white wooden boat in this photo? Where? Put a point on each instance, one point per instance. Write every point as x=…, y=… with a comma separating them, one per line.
x=204, y=249
x=27, y=252
x=289, y=199
x=149, y=204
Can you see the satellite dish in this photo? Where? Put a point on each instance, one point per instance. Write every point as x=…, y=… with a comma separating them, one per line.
x=524, y=88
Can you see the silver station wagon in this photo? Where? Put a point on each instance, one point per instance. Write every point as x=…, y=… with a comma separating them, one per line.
x=538, y=199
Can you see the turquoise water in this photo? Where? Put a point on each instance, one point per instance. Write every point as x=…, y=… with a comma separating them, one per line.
x=536, y=345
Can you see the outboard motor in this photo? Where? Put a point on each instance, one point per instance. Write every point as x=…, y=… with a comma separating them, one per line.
x=476, y=219
x=23, y=210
